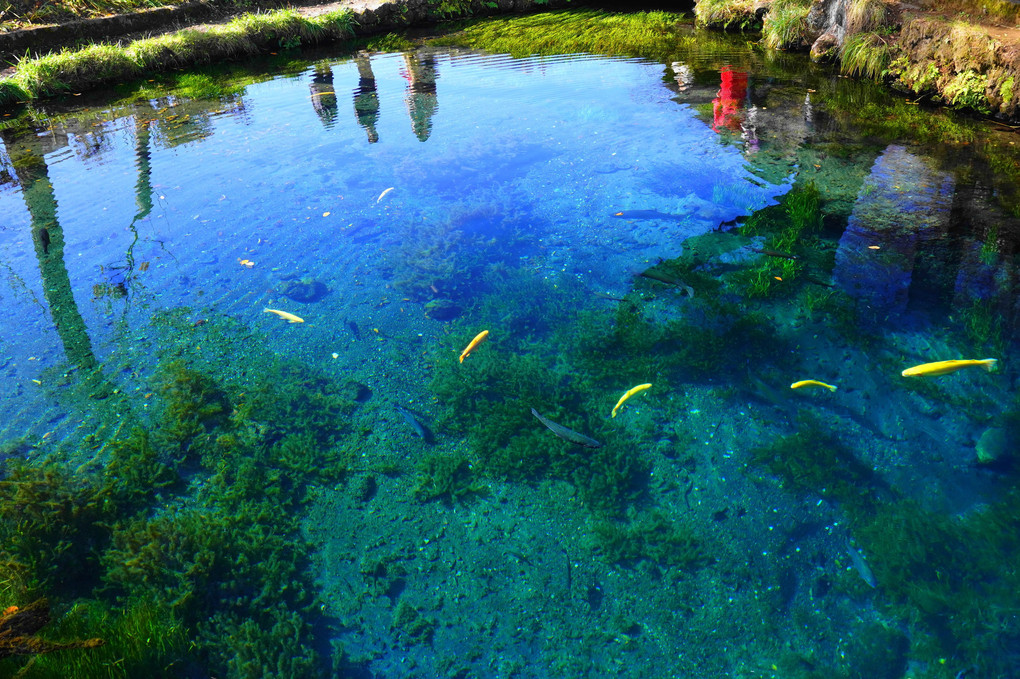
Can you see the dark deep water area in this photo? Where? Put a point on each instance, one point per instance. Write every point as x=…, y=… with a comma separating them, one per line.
x=447, y=363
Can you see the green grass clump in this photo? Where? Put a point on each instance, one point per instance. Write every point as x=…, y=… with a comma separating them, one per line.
x=138, y=637
x=785, y=25
x=865, y=16
x=726, y=14
x=865, y=54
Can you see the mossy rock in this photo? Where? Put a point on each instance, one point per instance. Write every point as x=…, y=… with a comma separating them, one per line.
x=305, y=290
x=443, y=309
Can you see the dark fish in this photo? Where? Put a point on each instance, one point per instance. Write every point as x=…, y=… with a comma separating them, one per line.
x=44, y=239
x=415, y=424
x=648, y=214
x=354, y=329
x=567, y=434
x=773, y=253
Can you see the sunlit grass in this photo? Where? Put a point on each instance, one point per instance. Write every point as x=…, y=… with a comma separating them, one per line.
x=785, y=24
x=635, y=34
x=865, y=54
x=78, y=69
x=737, y=14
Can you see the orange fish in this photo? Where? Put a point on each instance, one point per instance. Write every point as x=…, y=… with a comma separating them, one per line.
x=479, y=338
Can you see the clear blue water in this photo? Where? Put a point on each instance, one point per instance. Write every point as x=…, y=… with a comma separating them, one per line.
x=469, y=192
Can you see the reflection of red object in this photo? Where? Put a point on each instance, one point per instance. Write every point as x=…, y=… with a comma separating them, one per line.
x=726, y=107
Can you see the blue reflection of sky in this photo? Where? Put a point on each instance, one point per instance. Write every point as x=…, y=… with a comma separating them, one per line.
x=562, y=143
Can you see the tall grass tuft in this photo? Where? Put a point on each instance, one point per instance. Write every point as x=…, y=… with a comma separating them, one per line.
x=865, y=16
x=785, y=24
x=726, y=13
x=865, y=54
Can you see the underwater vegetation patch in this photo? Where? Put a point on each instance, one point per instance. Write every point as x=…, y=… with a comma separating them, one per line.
x=489, y=399
x=219, y=578
x=814, y=461
x=942, y=572
x=449, y=478
x=652, y=536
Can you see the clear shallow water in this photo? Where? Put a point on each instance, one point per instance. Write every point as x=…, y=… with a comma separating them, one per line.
x=721, y=527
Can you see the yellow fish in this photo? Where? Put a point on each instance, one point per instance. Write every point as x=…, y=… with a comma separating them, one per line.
x=946, y=367
x=812, y=383
x=479, y=338
x=285, y=315
x=630, y=392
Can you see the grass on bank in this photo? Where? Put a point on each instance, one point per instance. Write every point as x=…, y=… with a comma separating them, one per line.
x=638, y=34
x=20, y=13
x=785, y=25
x=251, y=34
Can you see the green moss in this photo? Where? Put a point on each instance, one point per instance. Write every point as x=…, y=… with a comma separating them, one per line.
x=650, y=536
x=1006, y=90
x=815, y=462
x=644, y=34
x=942, y=571
x=450, y=478
x=411, y=624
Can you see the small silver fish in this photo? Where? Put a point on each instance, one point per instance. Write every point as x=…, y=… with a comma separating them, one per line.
x=861, y=566
x=413, y=421
x=567, y=434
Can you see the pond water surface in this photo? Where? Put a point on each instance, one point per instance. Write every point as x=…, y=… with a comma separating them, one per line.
x=236, y=325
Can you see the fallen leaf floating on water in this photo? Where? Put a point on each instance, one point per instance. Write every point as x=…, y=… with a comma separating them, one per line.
x=630, y=392
x=945, y=367
x=245, y=262
x=287, y=316
x=479, y=338
x=812, y=383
